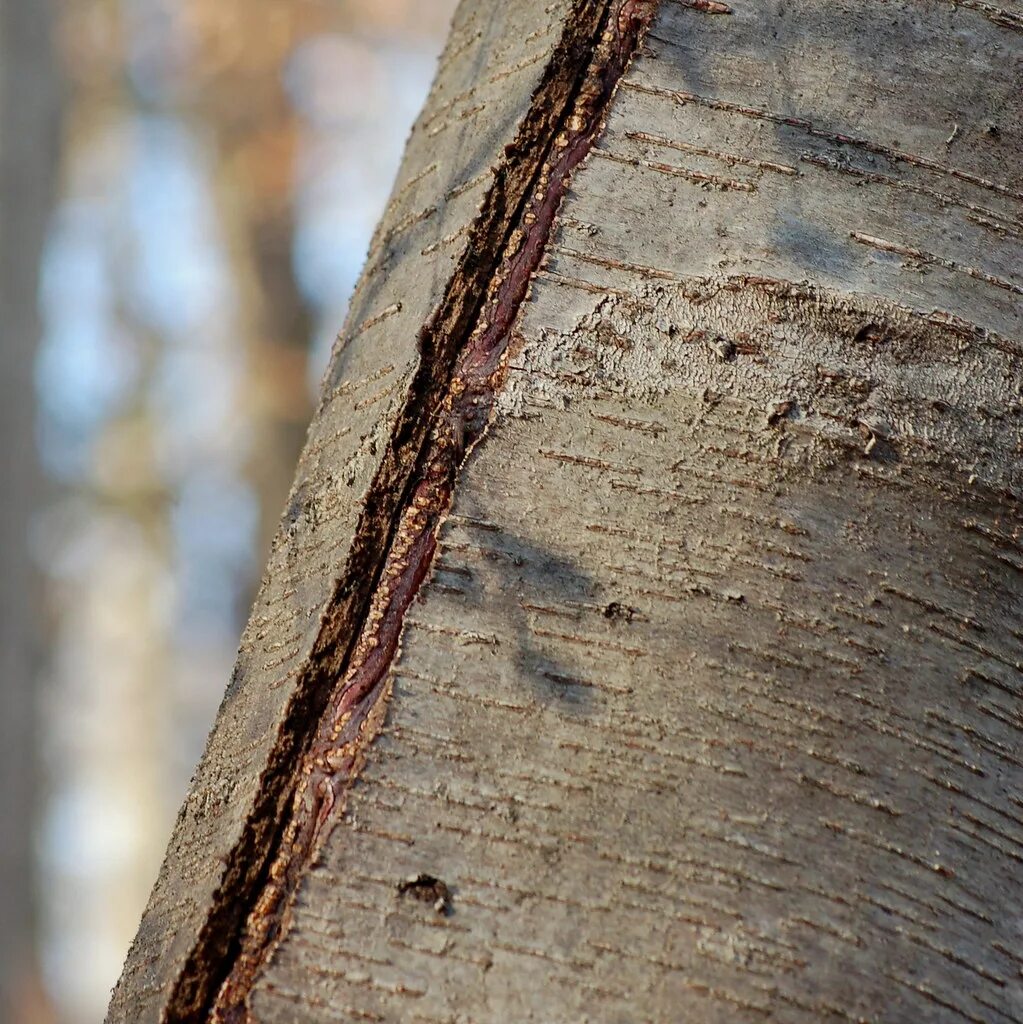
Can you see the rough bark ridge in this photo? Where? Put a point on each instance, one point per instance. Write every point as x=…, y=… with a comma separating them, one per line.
x=709, y=706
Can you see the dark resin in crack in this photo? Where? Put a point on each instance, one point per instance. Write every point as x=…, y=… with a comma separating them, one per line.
x=356, y=710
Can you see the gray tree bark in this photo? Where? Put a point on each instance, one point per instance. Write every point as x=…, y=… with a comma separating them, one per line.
x=642, y=640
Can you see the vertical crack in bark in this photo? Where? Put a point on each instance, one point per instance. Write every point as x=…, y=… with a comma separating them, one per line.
x=341, y=701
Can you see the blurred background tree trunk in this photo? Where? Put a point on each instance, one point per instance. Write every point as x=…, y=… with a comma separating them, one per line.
x=29, y=108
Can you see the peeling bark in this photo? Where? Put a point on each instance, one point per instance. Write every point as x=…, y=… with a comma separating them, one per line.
x=661, y=607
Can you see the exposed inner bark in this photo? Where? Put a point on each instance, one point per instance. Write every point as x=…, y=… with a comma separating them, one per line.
x=456, y=403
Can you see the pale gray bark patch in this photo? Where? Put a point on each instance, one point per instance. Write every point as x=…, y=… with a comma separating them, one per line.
x=863, y=372
x=710, y=709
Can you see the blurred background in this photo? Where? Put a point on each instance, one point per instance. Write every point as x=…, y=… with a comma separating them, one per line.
x=187, y=191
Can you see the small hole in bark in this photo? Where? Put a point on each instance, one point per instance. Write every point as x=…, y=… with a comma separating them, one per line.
x=620, y=612
x=877, y=444
x=723, y=348
x=869, y=332
x=779, y=411
x=427, y=889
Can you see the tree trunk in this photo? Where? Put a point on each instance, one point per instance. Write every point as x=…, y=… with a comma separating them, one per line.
x=647, y=646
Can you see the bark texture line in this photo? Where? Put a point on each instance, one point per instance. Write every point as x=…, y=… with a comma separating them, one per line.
x=387, y=378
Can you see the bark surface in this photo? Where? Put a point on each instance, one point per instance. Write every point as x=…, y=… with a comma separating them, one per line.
x=649, y=649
